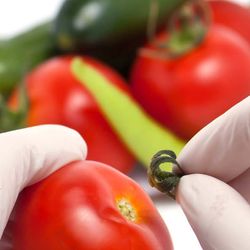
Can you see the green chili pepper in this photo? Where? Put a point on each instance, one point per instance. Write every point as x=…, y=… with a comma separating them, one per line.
x=142, y=135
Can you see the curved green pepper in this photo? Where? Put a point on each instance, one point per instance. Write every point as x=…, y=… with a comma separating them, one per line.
x=142, y=135
x=110, y=30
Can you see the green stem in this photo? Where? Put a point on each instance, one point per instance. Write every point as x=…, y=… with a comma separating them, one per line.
x=142, y=135
x=186, y=28
x=164, y=180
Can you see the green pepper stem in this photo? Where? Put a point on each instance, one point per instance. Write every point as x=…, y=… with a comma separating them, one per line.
x=142, y=135
x=188, y=27
x=159, y=177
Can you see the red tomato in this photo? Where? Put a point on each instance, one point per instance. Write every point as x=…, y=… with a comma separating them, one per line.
x=232, y=15
x=188, y=92
x=56, y=97
x=88, y=205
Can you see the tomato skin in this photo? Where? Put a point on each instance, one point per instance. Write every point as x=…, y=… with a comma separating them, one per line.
x=188, y=92
x=231, y=15
x=75, y=208
x=56, y=97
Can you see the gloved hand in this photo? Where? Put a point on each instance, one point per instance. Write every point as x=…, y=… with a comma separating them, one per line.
x=29, y=155
x=216, y=201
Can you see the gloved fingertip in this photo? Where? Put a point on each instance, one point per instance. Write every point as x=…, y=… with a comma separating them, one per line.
x=219, y=216
x=74, y=135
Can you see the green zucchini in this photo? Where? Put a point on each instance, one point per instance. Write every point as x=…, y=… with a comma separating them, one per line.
x=111, y=30
x=22, y=52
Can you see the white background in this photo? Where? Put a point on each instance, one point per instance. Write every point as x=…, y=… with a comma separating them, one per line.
x=16, y=16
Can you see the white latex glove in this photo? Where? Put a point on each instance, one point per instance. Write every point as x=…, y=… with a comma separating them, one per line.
x=218, y=207
x=29, y=155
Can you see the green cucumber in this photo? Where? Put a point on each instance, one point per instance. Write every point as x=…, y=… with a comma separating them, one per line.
x=21, y=53
x=110, y=30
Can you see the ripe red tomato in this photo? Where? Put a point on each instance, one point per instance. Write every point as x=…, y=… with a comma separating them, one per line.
x=56, y=97
x=88, y=205
x=188, y=92
x=231, y=15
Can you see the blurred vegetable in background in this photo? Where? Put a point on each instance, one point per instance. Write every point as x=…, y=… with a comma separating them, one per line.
x=56, y=97
x=110, y=30
x=22, y=52
x=188, y=90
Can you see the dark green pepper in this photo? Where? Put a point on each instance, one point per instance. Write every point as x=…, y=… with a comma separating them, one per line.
x=111, y=30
